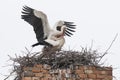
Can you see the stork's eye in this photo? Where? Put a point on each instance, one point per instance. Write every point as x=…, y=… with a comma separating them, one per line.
x=59, y=28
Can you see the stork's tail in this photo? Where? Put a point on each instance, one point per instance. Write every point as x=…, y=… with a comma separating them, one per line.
x=42, y=43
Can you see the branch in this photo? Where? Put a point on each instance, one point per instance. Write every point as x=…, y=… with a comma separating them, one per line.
x=9, y=75
x=108, y=47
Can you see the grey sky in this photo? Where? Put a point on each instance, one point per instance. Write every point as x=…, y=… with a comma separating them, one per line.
x=97, y=20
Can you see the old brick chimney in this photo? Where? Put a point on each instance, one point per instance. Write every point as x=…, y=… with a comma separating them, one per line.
x=79, y=72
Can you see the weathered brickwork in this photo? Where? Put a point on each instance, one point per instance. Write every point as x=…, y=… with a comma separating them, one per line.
x=44, y=72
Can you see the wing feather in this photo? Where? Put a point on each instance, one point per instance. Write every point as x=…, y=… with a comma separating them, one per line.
x=36, y=21
x=69, y=28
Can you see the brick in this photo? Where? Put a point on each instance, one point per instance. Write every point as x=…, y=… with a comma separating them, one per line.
x=63, y=75
x=82, y=76
x=85, y=67
x=68, y=71
x=109, y=73
x=57, y=71
x=38, y=74
x=41, y=78
x=101, y=76
x=44, y=71
x=109, y=77
x=28, y=74
x=90, y=79
x=88, y=71
x=103, y=72
x=96, y=72
x=79, y=71
x=39, y=66
x=62, y=79
x=35, y=70
x=47, y=75
x=92, y=76
x=27, y=78
x=76, y=67
x=48, y=78
x=81, y=67
x=67, y=75
x=74, y=79
x=35, y=78
x=63, y=71
x=51, y=71
x=48, y=67
x=106, y=79
x=45, y=66
x=71, y=79
x=27, y=68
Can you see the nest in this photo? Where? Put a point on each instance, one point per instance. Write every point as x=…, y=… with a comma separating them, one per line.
x=61, y=59
x=57, y=60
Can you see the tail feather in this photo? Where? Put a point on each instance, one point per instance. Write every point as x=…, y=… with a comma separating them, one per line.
x=42, y=43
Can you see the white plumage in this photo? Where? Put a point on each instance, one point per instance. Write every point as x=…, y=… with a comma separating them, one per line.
x=47, y=36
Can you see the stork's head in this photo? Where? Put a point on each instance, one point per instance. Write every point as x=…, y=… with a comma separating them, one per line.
x=65, y=27
x=59, y=26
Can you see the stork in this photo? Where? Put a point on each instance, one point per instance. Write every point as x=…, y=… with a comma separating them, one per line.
x=47, y=36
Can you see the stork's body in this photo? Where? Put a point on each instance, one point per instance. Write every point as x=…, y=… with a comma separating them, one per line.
x=56, y=40
x=45, y=35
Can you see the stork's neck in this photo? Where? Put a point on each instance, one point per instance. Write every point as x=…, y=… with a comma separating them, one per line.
x=62, y=31
x=61, y=34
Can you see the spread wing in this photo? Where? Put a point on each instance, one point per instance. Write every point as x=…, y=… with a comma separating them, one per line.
x=69, y=28
x=38, y=20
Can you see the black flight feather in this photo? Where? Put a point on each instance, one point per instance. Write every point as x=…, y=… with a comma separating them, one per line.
x=28, y=16
x=69, y=28
x=68, y=32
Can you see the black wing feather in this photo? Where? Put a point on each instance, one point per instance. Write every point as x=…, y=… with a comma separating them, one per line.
x=70, y=28
x=28, y=15
x=69, y=32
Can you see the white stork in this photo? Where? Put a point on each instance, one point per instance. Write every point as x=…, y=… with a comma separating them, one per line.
x=44, y=34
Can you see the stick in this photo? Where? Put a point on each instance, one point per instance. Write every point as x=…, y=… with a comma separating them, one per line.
x=108, y=48
x=9, y=75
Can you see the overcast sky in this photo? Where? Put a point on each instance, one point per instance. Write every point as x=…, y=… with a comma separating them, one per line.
x=96, y=20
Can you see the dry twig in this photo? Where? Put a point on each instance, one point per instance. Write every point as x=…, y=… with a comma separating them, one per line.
x=106, y=52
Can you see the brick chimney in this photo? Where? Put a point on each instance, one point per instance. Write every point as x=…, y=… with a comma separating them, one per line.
x=79, y=72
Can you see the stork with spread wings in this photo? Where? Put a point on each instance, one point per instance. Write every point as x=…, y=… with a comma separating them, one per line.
x=47, y=36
